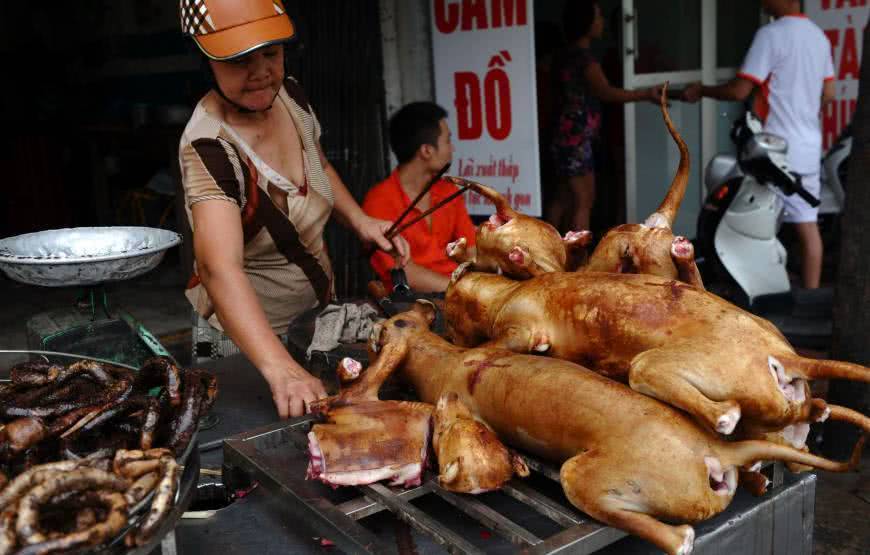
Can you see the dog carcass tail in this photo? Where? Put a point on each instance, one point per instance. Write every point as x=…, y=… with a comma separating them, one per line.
x=745, y=453
x=819, y=369
x=666, y=213
x=853, y=417
x=502, y=206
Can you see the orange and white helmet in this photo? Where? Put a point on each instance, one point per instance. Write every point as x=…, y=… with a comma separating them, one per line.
x=227, y=29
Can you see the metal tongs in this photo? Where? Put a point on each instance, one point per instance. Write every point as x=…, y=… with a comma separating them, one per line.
x=398, y=227
x=401, y=287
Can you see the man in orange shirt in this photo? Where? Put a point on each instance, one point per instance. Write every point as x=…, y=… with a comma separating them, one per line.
x=420, y=139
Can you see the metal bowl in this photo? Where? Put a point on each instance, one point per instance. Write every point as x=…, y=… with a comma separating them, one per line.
x=84, y=255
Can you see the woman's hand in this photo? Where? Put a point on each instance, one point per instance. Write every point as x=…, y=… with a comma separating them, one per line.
x=371, y=231
x=293, y=391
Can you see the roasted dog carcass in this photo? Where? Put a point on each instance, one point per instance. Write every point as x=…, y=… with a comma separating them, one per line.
x=520, y=246
x=669, y=340
x=627, y=460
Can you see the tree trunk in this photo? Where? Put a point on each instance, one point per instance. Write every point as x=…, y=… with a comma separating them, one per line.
x=852, y=301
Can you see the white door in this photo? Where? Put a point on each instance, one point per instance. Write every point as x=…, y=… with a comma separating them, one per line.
x=679, y=41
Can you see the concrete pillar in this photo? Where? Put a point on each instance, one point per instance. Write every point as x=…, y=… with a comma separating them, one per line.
x=407, y=52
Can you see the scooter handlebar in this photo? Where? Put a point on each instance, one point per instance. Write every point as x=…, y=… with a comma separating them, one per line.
x=804, y=194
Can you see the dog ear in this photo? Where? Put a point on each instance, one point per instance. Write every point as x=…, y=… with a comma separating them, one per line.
x=427, y=309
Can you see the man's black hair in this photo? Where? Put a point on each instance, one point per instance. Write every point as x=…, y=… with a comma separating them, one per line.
x=413, y=126
x=577, y=18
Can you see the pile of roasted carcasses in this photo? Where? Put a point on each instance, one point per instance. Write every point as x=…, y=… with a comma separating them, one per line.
x=656, y=397
x=84, y=445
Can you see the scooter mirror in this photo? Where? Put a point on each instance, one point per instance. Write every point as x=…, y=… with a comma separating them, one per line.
x=762, y=145
x=753, y=122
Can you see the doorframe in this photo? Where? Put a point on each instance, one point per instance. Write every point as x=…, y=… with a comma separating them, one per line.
x=708, y=73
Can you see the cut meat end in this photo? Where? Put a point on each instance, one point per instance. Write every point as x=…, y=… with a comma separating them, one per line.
x=403, y=475
x=369, y=442
x=409, y=475
x=315, y=458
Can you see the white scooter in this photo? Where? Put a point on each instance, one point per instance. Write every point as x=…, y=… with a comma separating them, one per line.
x=739, y=254
x=833, y=176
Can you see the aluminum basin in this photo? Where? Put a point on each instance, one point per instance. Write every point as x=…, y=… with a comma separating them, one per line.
x=84, y=255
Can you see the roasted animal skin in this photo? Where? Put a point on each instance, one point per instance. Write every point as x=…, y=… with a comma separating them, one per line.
x=627, y=459
x=470, y=456
x=520, y=246
x=371, y=441
x=514, y=244
x=669, y=340
x=651, y=247
x=365, y=440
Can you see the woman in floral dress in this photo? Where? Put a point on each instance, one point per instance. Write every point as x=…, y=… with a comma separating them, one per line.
x=580, y=86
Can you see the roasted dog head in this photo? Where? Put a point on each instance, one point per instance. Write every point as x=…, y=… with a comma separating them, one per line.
x=514, y=244
x=399, y=327
x=470, y=456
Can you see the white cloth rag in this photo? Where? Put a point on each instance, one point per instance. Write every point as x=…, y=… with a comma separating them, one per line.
x=347, y=323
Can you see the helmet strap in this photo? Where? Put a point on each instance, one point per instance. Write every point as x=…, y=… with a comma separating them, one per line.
x=213, y=82
x=239, y=108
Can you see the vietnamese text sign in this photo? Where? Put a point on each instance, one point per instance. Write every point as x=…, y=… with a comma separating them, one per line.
x=843, y=21
x=484, y=60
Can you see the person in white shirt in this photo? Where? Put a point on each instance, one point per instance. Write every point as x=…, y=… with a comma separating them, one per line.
x=790, y=62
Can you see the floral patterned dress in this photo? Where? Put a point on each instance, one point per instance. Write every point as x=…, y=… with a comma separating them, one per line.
x=578, y=118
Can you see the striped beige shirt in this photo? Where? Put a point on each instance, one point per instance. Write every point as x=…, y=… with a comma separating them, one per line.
x=285, y=255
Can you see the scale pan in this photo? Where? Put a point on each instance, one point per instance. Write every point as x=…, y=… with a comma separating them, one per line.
x=84, y=255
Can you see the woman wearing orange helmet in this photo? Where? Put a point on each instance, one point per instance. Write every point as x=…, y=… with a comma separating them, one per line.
x=259, y=191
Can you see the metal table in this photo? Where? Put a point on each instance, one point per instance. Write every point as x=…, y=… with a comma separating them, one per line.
x=264, y=522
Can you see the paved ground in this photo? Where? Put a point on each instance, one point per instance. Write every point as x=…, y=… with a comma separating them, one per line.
x=843, y=512
x=156, y=300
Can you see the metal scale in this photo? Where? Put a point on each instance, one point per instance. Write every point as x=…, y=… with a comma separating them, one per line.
x=88, y=258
